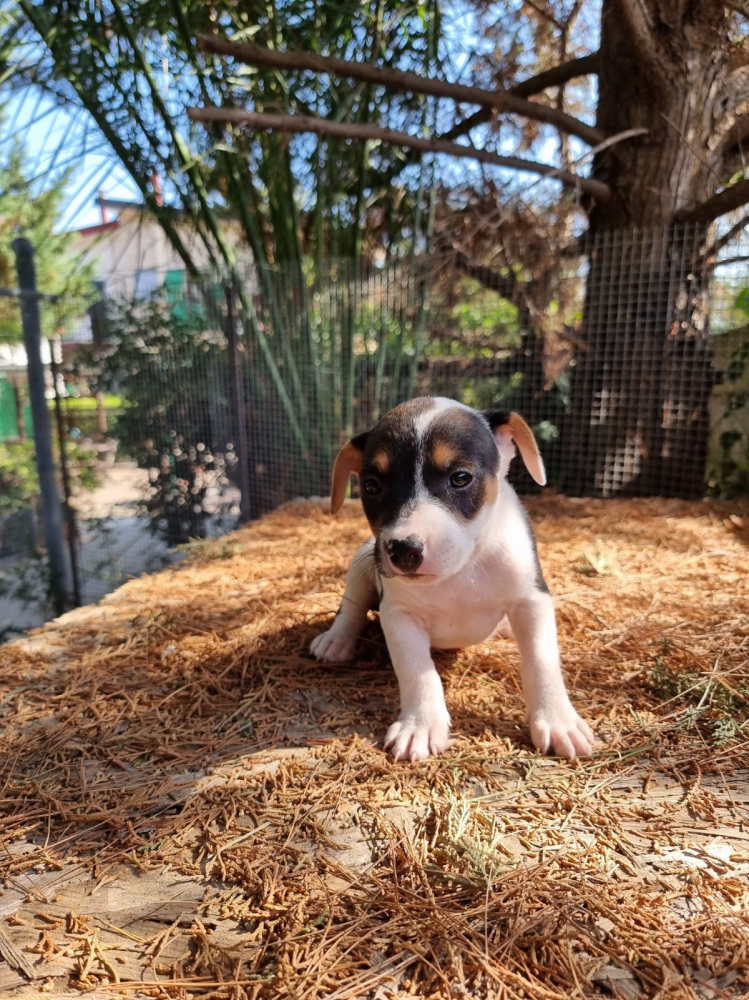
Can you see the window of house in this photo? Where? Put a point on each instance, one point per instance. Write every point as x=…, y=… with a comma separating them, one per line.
x=174, y=282
x=146, y=283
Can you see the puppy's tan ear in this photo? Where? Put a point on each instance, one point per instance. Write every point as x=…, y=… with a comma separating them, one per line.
x=348, y=460
x=512, y=425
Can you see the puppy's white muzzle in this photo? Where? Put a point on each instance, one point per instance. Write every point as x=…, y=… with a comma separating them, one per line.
x=427, y=545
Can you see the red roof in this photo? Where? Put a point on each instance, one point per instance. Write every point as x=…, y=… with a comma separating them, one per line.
x=102, y=227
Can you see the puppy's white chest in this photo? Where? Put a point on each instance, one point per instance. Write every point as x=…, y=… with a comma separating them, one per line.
x=465, y=627
x=455, y=613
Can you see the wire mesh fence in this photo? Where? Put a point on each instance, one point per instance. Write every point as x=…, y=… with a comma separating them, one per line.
x=213, y=401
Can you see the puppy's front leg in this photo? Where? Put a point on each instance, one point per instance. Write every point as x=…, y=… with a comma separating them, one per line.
x=337, y=644
x=554, y=723
x=423, y=727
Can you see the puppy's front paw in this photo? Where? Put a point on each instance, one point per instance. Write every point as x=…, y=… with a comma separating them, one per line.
x=331, y=648
x=561, y=731
x=419, y=735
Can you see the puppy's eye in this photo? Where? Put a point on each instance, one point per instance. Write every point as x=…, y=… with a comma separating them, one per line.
x=371, y=486
x=460, y=479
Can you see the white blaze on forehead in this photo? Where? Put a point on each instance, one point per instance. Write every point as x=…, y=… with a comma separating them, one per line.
x=422, y=422
x=441, y=404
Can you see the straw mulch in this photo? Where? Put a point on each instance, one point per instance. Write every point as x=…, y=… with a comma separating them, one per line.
x=188, y=801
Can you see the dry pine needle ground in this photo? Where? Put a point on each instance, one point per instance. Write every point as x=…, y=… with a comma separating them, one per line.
x=179, y=731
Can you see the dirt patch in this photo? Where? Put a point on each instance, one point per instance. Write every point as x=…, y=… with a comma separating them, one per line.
x=191, y=806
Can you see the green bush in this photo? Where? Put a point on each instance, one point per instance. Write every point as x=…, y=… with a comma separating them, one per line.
x=19, y=482
x=173, y=373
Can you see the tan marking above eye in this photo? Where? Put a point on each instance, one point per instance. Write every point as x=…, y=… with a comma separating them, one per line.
x=444, y=455
x=381, y=461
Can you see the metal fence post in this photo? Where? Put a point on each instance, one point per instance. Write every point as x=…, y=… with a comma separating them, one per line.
x=45, y=463
x=70, y=520
x=237, y=400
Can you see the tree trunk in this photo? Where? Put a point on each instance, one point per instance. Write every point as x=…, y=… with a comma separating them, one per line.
x=640, y=392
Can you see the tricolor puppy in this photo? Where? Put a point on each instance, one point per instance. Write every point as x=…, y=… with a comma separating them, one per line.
x=452, y=562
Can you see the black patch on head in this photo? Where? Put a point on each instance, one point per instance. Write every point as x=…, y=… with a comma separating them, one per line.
x=496, y=418
x=463, y=433
x=396, y=435
x=360, y=441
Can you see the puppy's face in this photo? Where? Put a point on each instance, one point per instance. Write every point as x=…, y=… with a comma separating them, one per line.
x=429, y=477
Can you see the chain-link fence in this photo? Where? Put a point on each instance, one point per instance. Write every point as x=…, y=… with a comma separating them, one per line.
x=213, y=401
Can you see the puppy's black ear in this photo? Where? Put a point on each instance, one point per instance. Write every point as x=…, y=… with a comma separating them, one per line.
x=348, y=460
x=512, y=427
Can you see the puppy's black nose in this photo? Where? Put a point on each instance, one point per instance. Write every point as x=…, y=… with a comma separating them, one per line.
x=406, y=554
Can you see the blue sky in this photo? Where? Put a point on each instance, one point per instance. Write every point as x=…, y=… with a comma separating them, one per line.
x=57, y=138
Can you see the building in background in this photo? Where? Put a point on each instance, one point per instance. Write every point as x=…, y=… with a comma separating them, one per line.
x=132, y=257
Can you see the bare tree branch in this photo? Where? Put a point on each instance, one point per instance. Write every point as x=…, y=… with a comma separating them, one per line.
x=726, y=238
x=501, y=100
x=725, y=201
x=353, y=130
x=477, y=118
x=505, y=285
x=730, y=260
x=553, y=77
x=557, y=75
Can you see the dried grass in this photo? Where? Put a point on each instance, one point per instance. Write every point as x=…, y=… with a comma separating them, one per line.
x=181, y=724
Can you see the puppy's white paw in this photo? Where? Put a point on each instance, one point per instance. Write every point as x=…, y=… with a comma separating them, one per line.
x=331, y=648
x=559, y=730
x=419, y=735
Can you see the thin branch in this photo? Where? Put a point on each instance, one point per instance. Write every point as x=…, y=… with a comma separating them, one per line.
x=505, y=285
x=614, y=140
x=500, y=100
x=349, y=130
x=568, y=334
x=477, y=118
x=720, y=204
x=730, y=260
x=554, y=77
x=726, y=238
x=557, y=75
